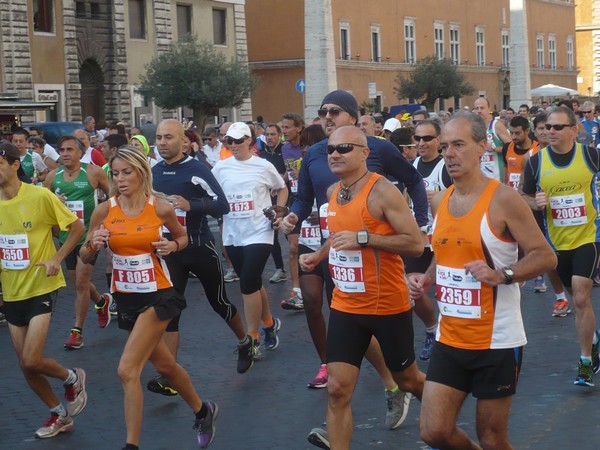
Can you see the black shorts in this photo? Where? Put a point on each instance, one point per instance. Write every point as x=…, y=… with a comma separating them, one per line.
x=349, y=335
x=167, y=303
x=582, y=261
x=71, y=258
x=21, y=312
x=488, y=374
x=419, y=264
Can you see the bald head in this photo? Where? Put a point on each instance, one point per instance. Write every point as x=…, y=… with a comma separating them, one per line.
x=169, y=140
x=350, y=152
x=82, y=136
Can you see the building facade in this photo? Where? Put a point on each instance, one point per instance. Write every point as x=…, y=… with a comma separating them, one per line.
x=587, y=17
x=376, y=42
x=87, y=56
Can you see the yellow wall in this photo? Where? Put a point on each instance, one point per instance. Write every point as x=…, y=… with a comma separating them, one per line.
x=47, y=51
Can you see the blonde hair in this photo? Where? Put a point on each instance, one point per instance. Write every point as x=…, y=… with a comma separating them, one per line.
x=140, y=165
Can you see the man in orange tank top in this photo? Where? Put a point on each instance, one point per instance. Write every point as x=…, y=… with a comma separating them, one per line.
x=480, y=337
x=370, y=227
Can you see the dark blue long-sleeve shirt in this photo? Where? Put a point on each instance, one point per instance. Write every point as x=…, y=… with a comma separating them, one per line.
x=315, y=177
x=195, y=182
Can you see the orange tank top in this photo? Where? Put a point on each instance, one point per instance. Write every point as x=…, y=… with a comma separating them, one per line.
x=514, y=163
x=136, y=268
x=367, y=280
x=474, y=315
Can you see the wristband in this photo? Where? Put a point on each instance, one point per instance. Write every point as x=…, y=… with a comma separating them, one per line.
x=90, y=248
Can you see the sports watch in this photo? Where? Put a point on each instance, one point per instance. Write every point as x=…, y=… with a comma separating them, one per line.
x=362, y=237
x=509, y=274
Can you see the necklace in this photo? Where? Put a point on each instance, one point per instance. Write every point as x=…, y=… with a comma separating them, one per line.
x=344, y=193
x=71, y=172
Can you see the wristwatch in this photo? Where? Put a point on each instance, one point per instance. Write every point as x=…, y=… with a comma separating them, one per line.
x=362, y=237
x=509, y=274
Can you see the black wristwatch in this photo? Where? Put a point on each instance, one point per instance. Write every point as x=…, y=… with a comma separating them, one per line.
x=509, y=275
x=362, y=237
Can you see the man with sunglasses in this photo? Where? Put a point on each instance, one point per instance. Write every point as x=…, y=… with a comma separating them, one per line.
x=339, y=109
x=497, y=136
x=562, y=181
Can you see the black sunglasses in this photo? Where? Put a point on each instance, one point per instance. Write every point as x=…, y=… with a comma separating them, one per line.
x=587, y=112
x=342, y=148
x=426, y=138
x=231, y=140
x=557, y=127
x=333, y=112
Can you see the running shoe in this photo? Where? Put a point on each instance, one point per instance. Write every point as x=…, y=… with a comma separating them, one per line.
x=53, y=425
x=160, y=385
x=584, y=375
x=427, y=346
x=113, y=308
x=75, y=340
x=320, y=381
x=75, y=394
x=539, y=285
x=206, y=426
x=258, y=351
x=319, y=438
x=230, y=276
x=245, y=356
x=278, y=276
x=2, y=317
x=397, y=408
x=595, y=355
x=271, y=340
x=294, y=303
x=561, y=308
x=104, y=311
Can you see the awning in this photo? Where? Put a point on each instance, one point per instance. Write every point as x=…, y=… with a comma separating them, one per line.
x=23, y=106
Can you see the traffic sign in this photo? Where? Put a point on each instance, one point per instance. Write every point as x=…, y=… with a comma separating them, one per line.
x=301, y=86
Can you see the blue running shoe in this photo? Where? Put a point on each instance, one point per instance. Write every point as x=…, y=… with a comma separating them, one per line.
x=206, y=426
x=271, y=340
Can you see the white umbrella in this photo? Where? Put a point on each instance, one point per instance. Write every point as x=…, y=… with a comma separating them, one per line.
x=552, y=89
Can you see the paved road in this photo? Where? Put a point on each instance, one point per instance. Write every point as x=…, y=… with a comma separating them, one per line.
x=270, y=407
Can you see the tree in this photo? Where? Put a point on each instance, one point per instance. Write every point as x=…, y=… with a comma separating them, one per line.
x=195, y=75
x=430, y=80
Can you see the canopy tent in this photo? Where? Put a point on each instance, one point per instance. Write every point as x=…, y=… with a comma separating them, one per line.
x=552, y=90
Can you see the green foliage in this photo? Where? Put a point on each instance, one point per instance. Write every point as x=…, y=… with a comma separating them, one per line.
x=430, y=80
x=195, y=75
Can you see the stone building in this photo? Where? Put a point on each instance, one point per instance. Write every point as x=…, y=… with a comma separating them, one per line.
x=587, y=16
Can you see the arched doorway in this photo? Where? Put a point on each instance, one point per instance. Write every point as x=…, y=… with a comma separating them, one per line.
x=91, y=78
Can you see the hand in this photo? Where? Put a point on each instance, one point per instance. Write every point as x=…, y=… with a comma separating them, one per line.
x=344, y=240
x=179, y=202
x=541, y=200
x=418, y=284
x=484, y=273
x=165, y=247
x=52, y=267
x=100, y=238
x=275, y=212
x=62, y=198
x=288, y=223
x=309, y=261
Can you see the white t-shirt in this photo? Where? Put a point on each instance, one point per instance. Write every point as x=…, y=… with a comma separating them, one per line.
x=87, y=157
x=51, y=153
x=213, y=154
x=38, y=162
x=247, y=186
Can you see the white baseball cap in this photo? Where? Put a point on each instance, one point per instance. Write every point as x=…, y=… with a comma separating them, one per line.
x=238, y=130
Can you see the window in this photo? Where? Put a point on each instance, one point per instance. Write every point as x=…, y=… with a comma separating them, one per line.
x=455, y=44
x=480, y=45
x=80, y=10
x=95, y=10
x=137, y=19
x=570, y=55
x=552, y=51
x=438, y=41
x=505, y=48
x=410, y=51
x=345, y=41
x=375, y=44
x=219, y=26
x=43, y=16
x=539, y=50
x=184, y=20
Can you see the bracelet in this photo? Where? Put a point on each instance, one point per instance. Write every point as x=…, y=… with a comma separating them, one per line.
x=177, y=244
x=90, y=248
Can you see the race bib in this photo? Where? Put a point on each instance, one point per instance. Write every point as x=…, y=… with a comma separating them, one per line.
x=568, y=210
x=14, y=251
x=489, y=165
x=241, y=205
x=293, y=182
x=310, y=235
x=134, y=274
x=76, y=207
x=346, y=268
x=458, y=294
x=323, y=212
x=513, y=180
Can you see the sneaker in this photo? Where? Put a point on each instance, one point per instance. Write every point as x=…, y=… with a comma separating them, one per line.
x=584, y=375
x=278, y=276
x=245, y=356
x=561, y=308
x=397, y=408
x=595, y=355
x=53, y=425
x=427, y=346
x=75, y=340
x=2, y=317
x=294, y=303
x=230, y=276
x=539, y=285
x=271, y=340
x=206, y=425
x=320, y=381
x=104, y=312
x=259, y=354
x=160, y=385
x=75, y=394
x=113, y=308
x=319, y=438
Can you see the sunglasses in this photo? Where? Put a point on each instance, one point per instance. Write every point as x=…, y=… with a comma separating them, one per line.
x=231, y=140
x=426, y=138
x=333, y=112
x=557, y=127
x=342, y=148
x=587, y=112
